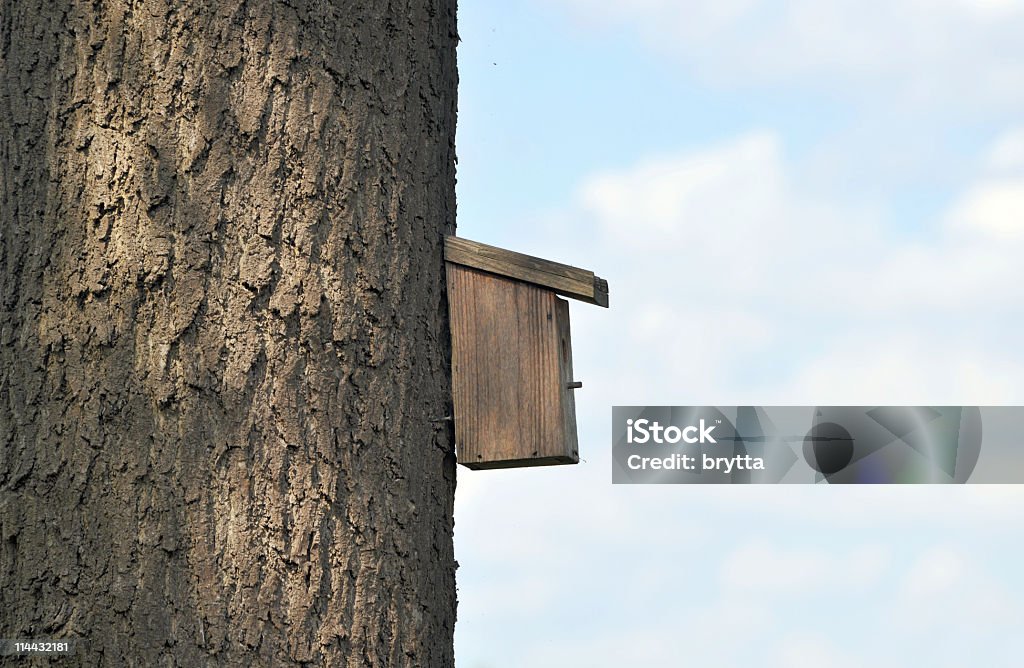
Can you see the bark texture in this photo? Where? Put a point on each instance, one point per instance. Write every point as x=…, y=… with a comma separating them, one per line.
x=223, y=330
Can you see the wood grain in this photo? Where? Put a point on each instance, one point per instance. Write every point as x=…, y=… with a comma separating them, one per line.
x=511, y=362
x=564, y=279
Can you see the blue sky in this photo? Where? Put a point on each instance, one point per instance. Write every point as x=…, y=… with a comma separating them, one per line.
x=794, y=202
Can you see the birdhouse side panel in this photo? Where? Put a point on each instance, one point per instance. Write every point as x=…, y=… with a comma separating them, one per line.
x=566, y=379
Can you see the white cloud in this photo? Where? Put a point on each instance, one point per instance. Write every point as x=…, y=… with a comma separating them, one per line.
x=960, y=53
x=936, y=572
x=814, y=651
x=875, y=367
x=762, y=568
x=994, y=208
x=724, y=272
x=853, y=510
x=992, y=9
x=703, y=207
x=946, y=584
x=1007, y=152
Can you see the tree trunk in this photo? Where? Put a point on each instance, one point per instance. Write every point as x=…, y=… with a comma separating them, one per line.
x=224, y=351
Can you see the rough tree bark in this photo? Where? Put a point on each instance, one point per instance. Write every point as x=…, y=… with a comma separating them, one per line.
x=223, y=335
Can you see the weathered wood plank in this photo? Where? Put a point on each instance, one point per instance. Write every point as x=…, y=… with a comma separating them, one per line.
x=564, y=279
x=509, y=372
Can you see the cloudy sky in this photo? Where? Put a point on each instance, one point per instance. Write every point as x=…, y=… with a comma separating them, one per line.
x=794, y=202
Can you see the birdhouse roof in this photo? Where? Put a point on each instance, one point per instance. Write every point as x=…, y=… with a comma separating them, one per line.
x=562, y=279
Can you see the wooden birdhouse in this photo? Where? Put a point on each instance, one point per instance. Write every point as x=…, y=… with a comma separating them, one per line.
x=512, y=379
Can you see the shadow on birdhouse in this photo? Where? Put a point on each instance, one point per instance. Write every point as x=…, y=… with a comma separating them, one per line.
x=512, y=381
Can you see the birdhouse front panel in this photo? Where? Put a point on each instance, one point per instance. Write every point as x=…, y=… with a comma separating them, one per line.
x=512, y=378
